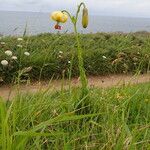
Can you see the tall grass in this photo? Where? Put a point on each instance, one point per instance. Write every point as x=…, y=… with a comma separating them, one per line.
x=103, y=54
x=119, y=118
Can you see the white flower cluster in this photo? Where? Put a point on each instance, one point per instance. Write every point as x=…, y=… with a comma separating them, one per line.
x=104, y=57
x=12, y=57
x=9, y=54
x=27, y=53
x=4, y=62
x=12, y=61
x=20, y=39
x=20, y=46
x=2, y=43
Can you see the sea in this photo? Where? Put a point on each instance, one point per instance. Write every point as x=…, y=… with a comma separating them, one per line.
x=15, y=23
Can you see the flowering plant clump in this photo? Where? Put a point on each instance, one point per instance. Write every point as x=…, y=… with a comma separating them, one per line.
x=8, y=58
x=10, y=63
x=62, y=17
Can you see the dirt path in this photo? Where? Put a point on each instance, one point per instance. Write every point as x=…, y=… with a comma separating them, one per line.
x=7, y=92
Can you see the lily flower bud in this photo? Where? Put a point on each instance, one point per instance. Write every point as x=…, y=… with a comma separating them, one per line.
x=85, y=18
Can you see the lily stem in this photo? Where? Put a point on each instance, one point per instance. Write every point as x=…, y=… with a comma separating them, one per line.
x=83, y=78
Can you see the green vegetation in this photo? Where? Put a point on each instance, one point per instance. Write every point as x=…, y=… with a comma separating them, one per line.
x=79, y=117
x=104, y=53
x=106, y=119
x=117, y=118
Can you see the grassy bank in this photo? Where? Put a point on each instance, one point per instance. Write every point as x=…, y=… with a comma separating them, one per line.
x=103, y=54
x=117, y=119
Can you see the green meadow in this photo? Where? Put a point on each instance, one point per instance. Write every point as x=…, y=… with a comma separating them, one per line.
x=103, y=54
x=104, y=119
x=116, y=118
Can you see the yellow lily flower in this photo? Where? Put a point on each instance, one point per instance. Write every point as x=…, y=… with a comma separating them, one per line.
x=59, y=16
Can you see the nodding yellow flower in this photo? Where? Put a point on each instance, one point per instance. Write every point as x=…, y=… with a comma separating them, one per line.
x=59, y=16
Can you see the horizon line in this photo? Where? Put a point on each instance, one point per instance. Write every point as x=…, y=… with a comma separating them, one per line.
x=92, y=14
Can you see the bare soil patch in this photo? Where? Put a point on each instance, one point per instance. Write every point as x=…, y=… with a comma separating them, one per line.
x=7, y=92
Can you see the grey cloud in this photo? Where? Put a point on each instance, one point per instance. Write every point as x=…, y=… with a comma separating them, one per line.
x=101, y=7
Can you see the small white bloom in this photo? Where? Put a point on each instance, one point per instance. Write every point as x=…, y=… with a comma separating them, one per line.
x=4, y=62
x=14, y=57
x=69, y=62
x=60, y=52
x=20, y=39
x=8, y=53
x=3, y=43
x=20, y=46
x=27, y=53
x=104, y=57
x=59, y=56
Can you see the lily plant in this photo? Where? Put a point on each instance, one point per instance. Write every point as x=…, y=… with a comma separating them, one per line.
x=62, y=17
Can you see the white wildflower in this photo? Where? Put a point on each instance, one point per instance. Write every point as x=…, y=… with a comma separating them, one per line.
x=3, y=43
x=59, y=56
x=14, y=57
x=60, y=52
x=27, y=53
x=8, y=53
x=4, y=62
x=20, y=39
x=104, y=57
x=20, y=46
x=69, y=62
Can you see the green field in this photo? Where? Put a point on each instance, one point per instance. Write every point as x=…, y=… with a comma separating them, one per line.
x=104, y=53
x=115, y=119
x=80, y=118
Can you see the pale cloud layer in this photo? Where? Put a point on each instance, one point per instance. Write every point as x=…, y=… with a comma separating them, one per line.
x=137, y=8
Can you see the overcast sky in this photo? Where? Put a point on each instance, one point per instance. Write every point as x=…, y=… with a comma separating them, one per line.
x=133, y=8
